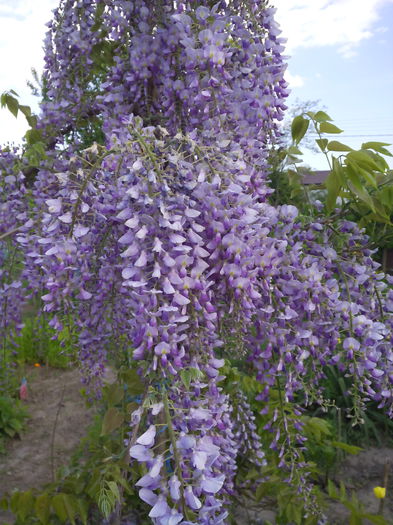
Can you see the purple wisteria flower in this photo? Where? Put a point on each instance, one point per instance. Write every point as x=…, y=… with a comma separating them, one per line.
x=160, y=244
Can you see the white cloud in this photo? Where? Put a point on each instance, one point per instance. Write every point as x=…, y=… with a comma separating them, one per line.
x=22, y=30
x=341, y=23
x=294, y=81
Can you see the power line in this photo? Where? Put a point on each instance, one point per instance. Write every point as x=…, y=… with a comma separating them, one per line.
x=367, y=135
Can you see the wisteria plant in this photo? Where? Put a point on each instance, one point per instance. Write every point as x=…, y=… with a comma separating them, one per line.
x=148, y=229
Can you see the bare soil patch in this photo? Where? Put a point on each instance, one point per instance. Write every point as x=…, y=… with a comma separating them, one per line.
x=58, y=420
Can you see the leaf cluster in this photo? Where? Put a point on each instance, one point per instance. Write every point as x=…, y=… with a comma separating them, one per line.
x=359, y=185
x=361, y=178
x=12, y=419
x=35, y=147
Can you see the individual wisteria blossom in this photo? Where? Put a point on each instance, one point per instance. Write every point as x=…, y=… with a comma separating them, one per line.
x=160, y=244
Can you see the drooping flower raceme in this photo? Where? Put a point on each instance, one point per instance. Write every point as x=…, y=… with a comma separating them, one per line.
x=13, y=219
x=160, y=244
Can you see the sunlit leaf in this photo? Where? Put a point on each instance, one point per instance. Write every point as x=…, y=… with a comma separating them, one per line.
x=299, y=128
x=327, y=127
x=321, y=116
x=334, y=145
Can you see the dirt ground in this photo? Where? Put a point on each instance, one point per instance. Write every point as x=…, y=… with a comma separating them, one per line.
x=30, y=461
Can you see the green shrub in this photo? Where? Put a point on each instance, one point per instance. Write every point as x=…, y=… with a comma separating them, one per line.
x=36, y=344
x=12, y=419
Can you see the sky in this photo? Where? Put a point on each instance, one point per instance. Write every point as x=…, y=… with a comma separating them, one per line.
x=340, y=52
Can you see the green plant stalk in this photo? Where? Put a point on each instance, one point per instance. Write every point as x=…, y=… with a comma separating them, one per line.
x=52, y=443
x=355, y=390
x=117, y=513
x=320, y=137
x=175, y=453
x=383, y=316
x=385, y=485
x=5, y=307
x=10, y=232
x=80, y=194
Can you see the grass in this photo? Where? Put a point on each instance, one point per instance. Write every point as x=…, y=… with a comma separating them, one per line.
x=38, y=344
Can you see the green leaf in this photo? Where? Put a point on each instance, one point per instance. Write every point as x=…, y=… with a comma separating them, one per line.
x=326, y=127
x=83, y=510
x=14, y=501
x=73, y=485
x=35, y=153
x=114, y=393
x=322, y=143
x=343, y=492
x=321, y=116
x=4, y=503
x=10, y=431
x=196, y=373
x=32, y=121
x=114, y=489
x=71, y=507
x=333, y=185
x=385, y=195
x=266, y=489
x=355, y=520
x=189, y=374
x=356, y=187
x=380, y=161
x=381, y=210
x=362, y=194
x=375, y=519
x=378, y=146
x=59, y=507
x=334, y=145
x=126, y=486
x=105, y=504
x=26, y=110
x=252, y=474
x=293, y=512
x=294, y=150
x=185, y=376
x=369, y=176
x=33, y=136
x=293, y=178
x=350, y=449
x=12, y=105
x=132, y=380
x=42, y=508
x=292, y=159
x=25, y=504
x=363, y=160
x=299, y=128
x=316, y=424
x=112, y=420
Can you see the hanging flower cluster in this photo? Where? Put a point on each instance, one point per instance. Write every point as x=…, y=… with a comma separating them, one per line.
x=162, y=242
x=13, y=218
